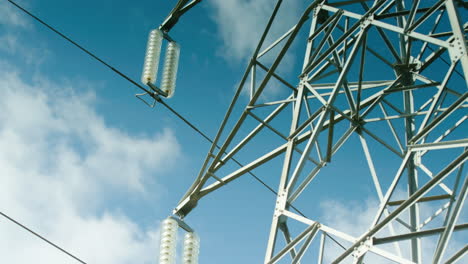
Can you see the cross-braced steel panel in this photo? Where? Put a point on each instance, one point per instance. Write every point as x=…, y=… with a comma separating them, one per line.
x=392, y=74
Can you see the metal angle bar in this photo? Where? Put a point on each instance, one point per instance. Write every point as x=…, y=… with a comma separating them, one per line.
x=390, y=27
x=189, y=5
x=314, y=172
x=283, y=81
x=380, y=96
x=276, y=42
x=458, y=32
x=252, y=134
x=231, y=106
x=412, y=87
x=401, y=13
x=306, y=123
x=392, y=106
x=322, y=227
x=281, y=201
x=446, y=34
x=411, y=16
x=339, y=63
x=386, y=8
x=416, y=113
x=386, y=40
x=437, y=97
x=444, y=239
x=330, y=102
x=391, y=189
x=274, y=130
x=287, y=237
x=372, y=51
x=316, y=94
x=432, y=57
x=431, y=175
x=310, y=142
x=439, y=145
x=316, y=75
x=343, y=37
x=455, y=188
x=392, y=128
x=330, y=136
x=447, y=132
x=426, y=14
x=306, y=181
x=376, y=182
x=373, y=249
x=425, y=233
x=303, y=249
x=353, y=85
x=321, y=248
x=409, y=45
x=328, y=230
x=301, y=138
x=439, y=119
x=274, y=153
x=382, y=142
x=253, y=73
x=458, y=255
x=423, y=199
x=325, y=86
x=279, y=134
x=370, y=163
x=312, y=230
x=319, y=73
x=436, y=24
x=330, y=26
x=360, y=259
x=287, y=101
x=361, y=73
x=182, y=224
x=322, y=27
x=317, y=146
x=252, y=165
x=408, y=203
x=310, y=44
x=433, y=216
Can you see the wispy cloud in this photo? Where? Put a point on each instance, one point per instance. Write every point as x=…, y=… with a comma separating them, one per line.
x=59, y=164
x=241, y=23
x=10, y=17
x=355, y=218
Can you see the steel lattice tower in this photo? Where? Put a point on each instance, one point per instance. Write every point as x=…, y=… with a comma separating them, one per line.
x=389, y=73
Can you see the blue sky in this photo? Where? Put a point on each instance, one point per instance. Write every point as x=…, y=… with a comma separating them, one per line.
x=103, y=168
x=95, y=170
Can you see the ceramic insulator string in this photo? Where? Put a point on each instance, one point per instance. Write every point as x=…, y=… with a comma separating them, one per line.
x=153, y=51
x=167, y=250
x=171, y=63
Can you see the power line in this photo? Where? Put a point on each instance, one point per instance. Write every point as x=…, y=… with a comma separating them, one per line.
x=41, y=237
x=149, y=92
x=137, y=85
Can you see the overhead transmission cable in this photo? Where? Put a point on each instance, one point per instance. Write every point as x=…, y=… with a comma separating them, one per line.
x=137, y=85
x=42, y=238
x=159, y=100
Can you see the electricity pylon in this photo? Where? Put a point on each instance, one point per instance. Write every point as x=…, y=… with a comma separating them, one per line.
x=391, y=73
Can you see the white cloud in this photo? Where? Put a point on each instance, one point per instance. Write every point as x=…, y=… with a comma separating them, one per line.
x=241, y=24
x=355, y=218
x=10, y=16
x=59, y=164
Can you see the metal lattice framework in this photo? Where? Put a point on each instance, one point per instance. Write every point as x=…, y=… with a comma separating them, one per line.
x=391, y=73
